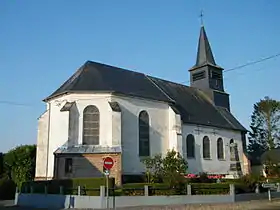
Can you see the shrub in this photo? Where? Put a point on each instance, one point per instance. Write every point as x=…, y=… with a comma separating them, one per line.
x=89, y=186
x=164, y=189
x=209, y=188
x=133, y=179
x=246, y=184
x=7, y=189
x=133, y=189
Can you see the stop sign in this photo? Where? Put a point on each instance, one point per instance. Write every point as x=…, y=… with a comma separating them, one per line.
x=108, y=163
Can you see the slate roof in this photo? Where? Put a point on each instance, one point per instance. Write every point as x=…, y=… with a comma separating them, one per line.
x=98, y=77
x=204, y=52
x=194, y=106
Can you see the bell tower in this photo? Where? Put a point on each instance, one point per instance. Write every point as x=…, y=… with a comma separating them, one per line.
x=207, y=75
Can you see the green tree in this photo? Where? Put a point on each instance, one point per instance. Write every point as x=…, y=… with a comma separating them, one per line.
x=265, y=125
x=170, y=168
x=153, y=167
x=174, y=166
x=1, y=164
x=19, y=163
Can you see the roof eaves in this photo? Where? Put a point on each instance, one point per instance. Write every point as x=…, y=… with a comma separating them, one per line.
x=56, y=96
x=76, y=91
x=205, y=64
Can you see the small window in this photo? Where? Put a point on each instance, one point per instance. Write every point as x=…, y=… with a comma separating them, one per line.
x=198, y=76
x=68, y=165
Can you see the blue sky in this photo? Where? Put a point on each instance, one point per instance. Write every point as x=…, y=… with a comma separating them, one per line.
x=42, y=43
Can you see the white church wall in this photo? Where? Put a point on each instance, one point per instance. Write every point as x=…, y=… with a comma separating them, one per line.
x=213, y=166
x=59, y=126
x=159, y=129
x=175, y=131
x=42, y=145
x=58, y=133
x=116, y=128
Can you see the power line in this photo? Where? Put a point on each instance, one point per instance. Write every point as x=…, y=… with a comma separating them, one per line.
x=14, y=103
x=248, y=64
x=253, y=62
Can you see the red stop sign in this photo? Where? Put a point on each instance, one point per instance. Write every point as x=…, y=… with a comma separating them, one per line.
x=108, y=163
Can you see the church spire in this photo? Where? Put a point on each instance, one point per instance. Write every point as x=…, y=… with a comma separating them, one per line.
x=206, y=74
x=204, y=52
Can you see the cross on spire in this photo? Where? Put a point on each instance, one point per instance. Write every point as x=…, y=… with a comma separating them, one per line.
x=201, y=17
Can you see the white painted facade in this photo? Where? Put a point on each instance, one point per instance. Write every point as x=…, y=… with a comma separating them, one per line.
x=213, y=165
x=121, y=128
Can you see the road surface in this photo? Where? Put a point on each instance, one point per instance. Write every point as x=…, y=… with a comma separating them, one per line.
x=253, y=205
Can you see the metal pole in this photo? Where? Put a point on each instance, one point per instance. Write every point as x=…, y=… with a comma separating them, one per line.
x=269, y=194
x=107, y=190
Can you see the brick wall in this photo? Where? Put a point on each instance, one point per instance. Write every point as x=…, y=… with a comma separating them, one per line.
x=88, y=165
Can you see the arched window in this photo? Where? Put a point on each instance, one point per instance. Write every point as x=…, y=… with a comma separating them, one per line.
x=91, y=121
x=144, y=134
x=220, y=149
x=206, y=147
x=231, y=149
x=190, y=146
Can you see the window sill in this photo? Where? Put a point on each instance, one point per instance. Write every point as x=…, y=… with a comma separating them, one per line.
x=190, y=157
x=221, y=159
x=207, y=158
x=143, y=157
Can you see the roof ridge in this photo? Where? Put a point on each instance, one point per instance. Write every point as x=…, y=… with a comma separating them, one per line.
x=68, y=81
x=134, y=71
x=158, y=87
x=176, y=83
x=116, y=67
x=224, y=116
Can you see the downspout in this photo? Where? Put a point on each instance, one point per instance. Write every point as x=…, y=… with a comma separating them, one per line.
x=49, y=128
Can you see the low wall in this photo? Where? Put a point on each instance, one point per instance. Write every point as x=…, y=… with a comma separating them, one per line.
x=123, y=201
x=58, y=201
x=79, y=201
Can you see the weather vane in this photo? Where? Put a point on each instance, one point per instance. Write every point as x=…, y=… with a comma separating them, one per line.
x=201, y=17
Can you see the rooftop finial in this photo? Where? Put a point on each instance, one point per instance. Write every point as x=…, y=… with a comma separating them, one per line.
x=201, y=17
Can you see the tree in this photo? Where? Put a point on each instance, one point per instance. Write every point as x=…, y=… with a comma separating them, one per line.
x=19, y=163
x=174, y=166
x=265, y=127
x=1, y=164
x=153, y=167
x=170, y=168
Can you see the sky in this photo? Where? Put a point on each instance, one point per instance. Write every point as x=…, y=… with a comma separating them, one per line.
x=42, y=43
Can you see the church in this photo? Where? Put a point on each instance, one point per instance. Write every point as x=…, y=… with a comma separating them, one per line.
x=103, y=110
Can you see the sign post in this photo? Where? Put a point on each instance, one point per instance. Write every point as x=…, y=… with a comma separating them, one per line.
x=107, y=164
x=269, y=186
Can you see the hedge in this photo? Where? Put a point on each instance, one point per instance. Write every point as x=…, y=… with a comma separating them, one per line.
x=164, y=189
x=209, y=188
x=89, y=186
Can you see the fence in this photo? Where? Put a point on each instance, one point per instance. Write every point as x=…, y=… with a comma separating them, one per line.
x=101, y=201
